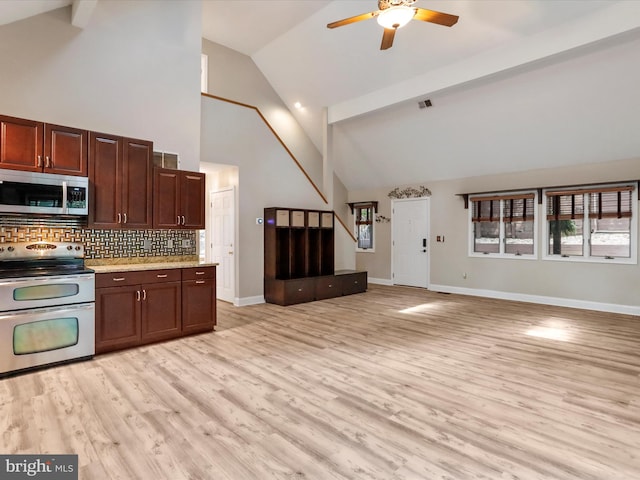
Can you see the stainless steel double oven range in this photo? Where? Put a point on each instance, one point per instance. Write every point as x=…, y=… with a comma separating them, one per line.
x=47, y=305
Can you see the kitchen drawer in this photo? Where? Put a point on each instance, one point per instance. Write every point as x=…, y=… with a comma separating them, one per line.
x=353, y=282
x=116, y=279
x=198, y=273
x=327, y=287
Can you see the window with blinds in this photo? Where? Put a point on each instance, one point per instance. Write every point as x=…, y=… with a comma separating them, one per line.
x=591, y=222
x=364, y=218
x=504, y=224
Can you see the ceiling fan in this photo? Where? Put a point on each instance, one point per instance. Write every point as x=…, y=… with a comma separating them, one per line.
x=394, y=14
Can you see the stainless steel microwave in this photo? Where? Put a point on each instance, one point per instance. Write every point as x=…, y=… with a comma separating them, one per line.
x=43, y=193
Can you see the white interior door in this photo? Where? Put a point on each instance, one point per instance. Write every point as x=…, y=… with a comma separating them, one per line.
x=223, y=242
x=410, y=223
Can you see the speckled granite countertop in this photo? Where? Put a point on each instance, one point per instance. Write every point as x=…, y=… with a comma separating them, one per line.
x=133, y=267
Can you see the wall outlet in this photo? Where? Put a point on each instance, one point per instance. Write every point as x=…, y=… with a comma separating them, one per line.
x=146, y=244
x=186, y=243
x=464, y=275
x=170, y=243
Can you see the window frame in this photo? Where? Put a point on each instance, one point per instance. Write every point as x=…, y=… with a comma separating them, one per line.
x=586, y=256
x=502, y=197
x=357, y=223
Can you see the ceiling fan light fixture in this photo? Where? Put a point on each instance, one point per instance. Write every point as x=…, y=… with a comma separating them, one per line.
x=396, y=17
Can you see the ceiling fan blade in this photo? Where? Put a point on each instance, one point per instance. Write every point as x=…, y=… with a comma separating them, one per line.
x=435, y=17
x=387, y=38
x=357, y=18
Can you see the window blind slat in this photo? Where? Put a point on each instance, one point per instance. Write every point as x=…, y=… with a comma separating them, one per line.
x=486, y=211
x=610, y=204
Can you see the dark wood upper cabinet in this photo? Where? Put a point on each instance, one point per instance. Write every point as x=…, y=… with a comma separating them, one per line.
x=120, y=179
x=166, y=198
x=41, y=147
x=178, y=199
x=192, y=192
x=137, y=183
x=21, y=145
x=65, y=150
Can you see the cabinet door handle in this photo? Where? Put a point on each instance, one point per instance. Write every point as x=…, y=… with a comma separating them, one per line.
x=182, y=219
x=125, y=218
x=119, y=218
x=39, y=160
x=144, y=294
x=199, y=273
x=161, y=276
x=137, y=295
x=47, y=162
x=178, y=222
x=118, y=279
x=199, y=282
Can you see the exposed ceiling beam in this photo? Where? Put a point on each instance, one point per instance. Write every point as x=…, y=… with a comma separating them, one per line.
x=620, y=18
x=81, y=12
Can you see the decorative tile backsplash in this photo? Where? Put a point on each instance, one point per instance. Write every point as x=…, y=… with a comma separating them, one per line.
x=104, y=244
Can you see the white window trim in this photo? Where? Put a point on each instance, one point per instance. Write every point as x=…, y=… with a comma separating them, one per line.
x=501, y=241
x=632, y=260
x=204, y=73
x=373, y=233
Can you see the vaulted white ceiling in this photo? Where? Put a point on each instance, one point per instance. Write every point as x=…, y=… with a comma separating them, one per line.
x=515, y=85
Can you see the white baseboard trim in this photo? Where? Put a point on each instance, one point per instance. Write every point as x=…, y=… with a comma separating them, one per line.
x=245, y=301
x=556, y=301
x=380, y=281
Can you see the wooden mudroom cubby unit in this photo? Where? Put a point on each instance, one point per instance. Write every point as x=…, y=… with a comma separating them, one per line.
x=299, y=258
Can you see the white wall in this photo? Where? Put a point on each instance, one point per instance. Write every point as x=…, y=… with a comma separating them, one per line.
x=133, y=71
x=591, y=285
x=267, y=178
x=345, y=246
x=234, y=76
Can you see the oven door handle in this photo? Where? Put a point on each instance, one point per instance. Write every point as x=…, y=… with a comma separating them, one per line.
x=47, y=280
x=59, y=308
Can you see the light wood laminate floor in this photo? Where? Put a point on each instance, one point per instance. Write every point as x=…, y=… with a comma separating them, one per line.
x=397, y=383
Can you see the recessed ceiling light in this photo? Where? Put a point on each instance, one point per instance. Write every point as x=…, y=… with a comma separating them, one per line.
x=298, y=105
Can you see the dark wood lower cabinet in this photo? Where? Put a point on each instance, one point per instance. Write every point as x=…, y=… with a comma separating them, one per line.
x=308, y=289
x=117, y=318
x=198, y=300
x=140, y=307
x=161, y=311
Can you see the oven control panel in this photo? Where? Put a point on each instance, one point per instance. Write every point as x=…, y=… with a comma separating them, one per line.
x=35, y=250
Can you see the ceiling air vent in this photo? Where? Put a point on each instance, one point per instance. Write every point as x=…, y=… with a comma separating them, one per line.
x=425, y=103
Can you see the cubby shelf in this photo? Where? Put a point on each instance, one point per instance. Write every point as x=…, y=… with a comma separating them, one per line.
x=299, y=258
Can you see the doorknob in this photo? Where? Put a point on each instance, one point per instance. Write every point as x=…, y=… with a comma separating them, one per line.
x=230, y=253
